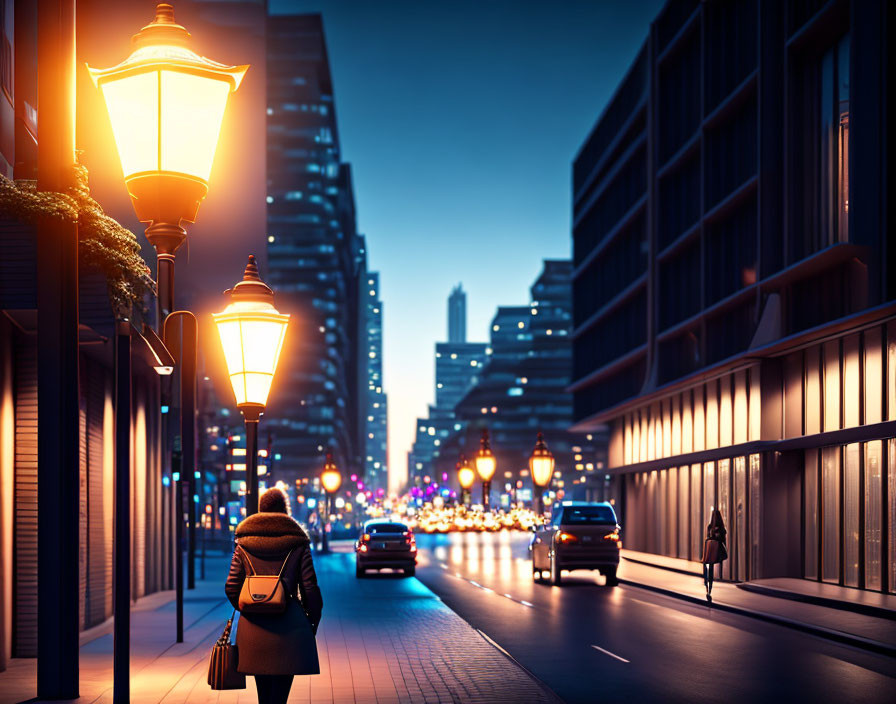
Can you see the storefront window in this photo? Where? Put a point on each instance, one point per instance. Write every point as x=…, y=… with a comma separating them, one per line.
x=683, y=514
x=891, y=514
x=873, y=514
x=810, y=508
x=696, y=513
x=724, y=506
x=830, y=514
x=755, y=516
x=740, y=517
x=851, y=516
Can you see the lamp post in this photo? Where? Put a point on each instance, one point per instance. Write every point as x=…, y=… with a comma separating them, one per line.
x=485, y=465
x=465, y=476
x=252, y=333
x=541, y=466
x=331, y=480
x=166, y=104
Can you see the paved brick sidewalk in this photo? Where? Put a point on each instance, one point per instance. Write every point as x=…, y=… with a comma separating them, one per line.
x=382, y=639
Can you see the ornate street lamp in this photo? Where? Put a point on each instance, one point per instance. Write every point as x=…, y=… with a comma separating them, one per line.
x=166, y=104
x=331, y=480
x=466, y=476
x=541, y=466
x=486, y=466
x=252, y=333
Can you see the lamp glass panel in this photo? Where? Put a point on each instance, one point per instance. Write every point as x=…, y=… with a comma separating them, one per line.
x=133, y=106
x=192, y=108
x=466, y=476
x=486, y=465
x=542, y=469
x=331, y=480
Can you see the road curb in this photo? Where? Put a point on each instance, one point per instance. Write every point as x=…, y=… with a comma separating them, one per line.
x=548, y=692
x=852, y=607
x=820, y=631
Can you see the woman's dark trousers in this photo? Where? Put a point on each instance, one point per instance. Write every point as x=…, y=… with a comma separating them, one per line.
x=273, y=689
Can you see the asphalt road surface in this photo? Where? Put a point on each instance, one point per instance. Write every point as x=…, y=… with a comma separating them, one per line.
x=592, y=643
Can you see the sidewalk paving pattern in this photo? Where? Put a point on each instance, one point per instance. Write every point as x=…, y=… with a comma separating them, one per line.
x=382, y=639
x=676, y=577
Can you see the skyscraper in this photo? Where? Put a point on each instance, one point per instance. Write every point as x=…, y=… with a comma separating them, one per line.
x=457, y=315
x=522, y=390
x=315, y=256
x=458, y=364
x=375, y=416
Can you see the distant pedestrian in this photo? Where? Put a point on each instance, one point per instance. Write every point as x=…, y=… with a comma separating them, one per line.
x=714, y=550
x=275, y=645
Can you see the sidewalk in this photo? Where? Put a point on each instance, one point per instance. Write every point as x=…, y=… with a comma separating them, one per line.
x=828, y=612
x=382, y=639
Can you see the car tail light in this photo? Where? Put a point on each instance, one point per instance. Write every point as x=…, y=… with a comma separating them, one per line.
x=614, y=536
x=564, y=537
x=365, y=538
x=362, y=547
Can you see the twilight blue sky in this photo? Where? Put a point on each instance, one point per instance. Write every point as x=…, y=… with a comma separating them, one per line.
x=461, y=120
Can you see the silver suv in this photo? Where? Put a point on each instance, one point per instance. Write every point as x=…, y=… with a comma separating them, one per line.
x=580, y=536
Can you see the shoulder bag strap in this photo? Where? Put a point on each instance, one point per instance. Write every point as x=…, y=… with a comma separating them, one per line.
x=283, y=566
x=246, y=555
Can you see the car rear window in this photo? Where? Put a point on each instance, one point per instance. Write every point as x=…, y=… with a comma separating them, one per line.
x=588, y=515
x=386, y=528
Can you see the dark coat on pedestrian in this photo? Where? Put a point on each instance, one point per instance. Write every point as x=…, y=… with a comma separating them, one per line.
x=280, y=643
x=714, y=550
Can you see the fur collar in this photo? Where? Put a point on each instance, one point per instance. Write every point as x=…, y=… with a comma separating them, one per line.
x=270, y=534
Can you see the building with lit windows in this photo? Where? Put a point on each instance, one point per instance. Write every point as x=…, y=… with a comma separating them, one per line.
x=376, y=408
x=315, y=258
x=734, y=312
x=522, y=391
x=458, y=364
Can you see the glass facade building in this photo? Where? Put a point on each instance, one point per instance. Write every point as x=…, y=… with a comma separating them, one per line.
x=376, y=408
x=734, y=289
x=315, y=257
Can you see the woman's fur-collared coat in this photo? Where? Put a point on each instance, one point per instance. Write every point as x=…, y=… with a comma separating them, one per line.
x=276, y=644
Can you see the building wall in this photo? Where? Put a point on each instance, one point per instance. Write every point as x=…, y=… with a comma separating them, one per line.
x=733, y=284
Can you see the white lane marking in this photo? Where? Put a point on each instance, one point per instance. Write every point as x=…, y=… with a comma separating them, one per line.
x=527, y=603
x=607, y=652
x=492, y=591
x=443, y=566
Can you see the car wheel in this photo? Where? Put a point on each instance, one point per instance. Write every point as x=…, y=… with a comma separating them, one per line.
x=410, y=571
x=359, y=571
x=612, y=579
x=556, y=579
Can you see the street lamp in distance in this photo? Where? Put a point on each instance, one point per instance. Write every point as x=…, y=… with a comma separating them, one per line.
x=466, y=476
x=486, y=464
x=252, y=333
x=541, y=466
x=331, y=480
x=166, y=104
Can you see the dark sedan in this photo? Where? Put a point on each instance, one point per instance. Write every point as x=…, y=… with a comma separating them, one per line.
x=385, y=544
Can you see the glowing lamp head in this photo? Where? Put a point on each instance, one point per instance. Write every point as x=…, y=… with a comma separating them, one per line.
x=166, y=104
x=465, y=474
x=541, y=462
x=331, y=477
x=486, y=464
x=252, y=333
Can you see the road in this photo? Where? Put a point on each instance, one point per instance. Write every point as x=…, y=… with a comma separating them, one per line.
x=592, y=643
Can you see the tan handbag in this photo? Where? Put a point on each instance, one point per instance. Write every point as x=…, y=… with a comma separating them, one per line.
x=222, y=664
x=263, y=593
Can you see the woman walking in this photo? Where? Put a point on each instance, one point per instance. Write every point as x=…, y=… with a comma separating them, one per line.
x=274, y=647
x=714, y=550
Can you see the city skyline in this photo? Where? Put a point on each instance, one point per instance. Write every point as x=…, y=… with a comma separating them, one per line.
x=413, y=140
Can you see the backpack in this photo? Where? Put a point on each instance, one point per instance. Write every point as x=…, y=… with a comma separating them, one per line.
x=263, y=593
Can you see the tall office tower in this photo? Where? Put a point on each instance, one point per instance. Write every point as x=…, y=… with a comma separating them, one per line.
x=457, y=315
x=734, y=291
x=315, y=257
x=375, y=417
x=458, y=364
x=522, y=390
